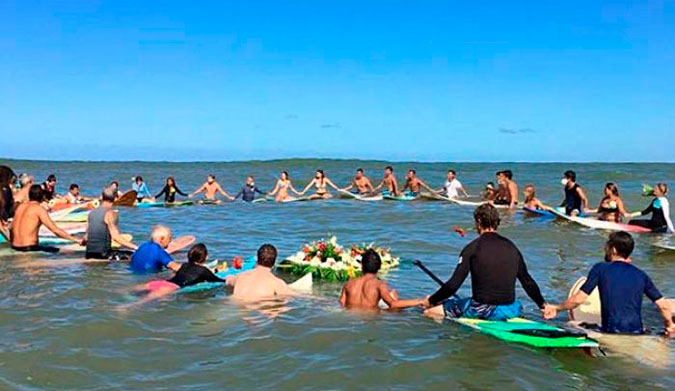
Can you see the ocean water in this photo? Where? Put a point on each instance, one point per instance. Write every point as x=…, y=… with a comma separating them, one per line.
x=61, y=328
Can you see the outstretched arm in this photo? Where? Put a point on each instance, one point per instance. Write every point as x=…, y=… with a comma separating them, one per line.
x=584, y=200
x=275, y=190
x=331, y=184
x=391, y=298
x=424, y=185
x=551, y=310
x=47, y=222
x=111, y=219
x=309, y=185
x=201, y=189
x=667, y=314
x=224, y=193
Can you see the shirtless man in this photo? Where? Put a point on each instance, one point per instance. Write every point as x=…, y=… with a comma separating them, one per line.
x=413, y=183
x=507, y=192
x=211, y=188
x=388, y=182
x=260, y=283
x=26, y=181
x=362, y=183
x=365, y=292
x=28, y=219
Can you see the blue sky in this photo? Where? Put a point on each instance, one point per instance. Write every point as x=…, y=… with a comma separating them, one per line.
x=395, y=80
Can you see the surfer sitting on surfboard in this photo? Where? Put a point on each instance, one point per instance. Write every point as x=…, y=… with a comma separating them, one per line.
x=260, y=283
x=152, y=256
x=73, y=196
x=365, y=292
x=28, y=219
x=575, y=202
x=247, y=192
x=414, y=184
x=141, y=189
x=321, y=183
x=191, y=273
x=531, y=200
x=660, y=211
x=170, y=190
x=494, y=263
x=611, y=206
x=103, y=229
x=280, y=191
x=211, y=188
x=621, y=287
x=361, y=182
x=388, y=183
x=452, y=186
x=507, y=192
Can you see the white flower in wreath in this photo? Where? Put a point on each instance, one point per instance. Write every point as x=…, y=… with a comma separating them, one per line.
x=333, y=241
x=316, y=261
x=331, y=262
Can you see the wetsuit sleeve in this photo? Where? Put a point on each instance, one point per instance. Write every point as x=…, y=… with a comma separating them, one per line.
x=528, y=283
x=165, y=258
x=649, y=209
x=452, y=285
x=165, y=190
x=241, y=192
x=258, y=190
x=591, y=280
x=179, y=191
x=665, y=206
x=207, y=275
x=651, y=291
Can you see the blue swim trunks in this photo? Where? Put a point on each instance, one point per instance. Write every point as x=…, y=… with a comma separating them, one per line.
x=468, y=308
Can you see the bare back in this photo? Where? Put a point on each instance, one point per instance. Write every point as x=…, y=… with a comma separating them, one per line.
x=26, y=224
x=259, y=283
x=363, y=293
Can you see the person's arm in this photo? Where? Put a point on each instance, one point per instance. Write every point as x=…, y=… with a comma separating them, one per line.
x=528, y=283
x=452, y=285
x=369, y=185
x=206, y=275
x=394, y=185
x=424, y=185
x=584, y=200
x=391, y=298
x=165, y=190
x=201, y=188
x=230, y=280
x=282, y=289
x=179, y=191
x=343, y=297
x=309, y=185
x=551, y=310
x=379, y=186
x=111, y=219
x=331, y=184
x=349, y=187
x=256, y=190
x=168, y=262
x=622, y=208
x=290, y=186
x=666, y=213
x=146, y=190
x=667, y=314
x=461, y=189
x=224, y=193
x=275, y=190
x=241, y=192
x=47, y=222
x=513, y=193
x=405, y=187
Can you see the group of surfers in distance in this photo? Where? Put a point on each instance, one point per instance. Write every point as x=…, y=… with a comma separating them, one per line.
x=493, y=261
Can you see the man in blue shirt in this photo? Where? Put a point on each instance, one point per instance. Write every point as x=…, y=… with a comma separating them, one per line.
x=152, y=256
x=621, y=287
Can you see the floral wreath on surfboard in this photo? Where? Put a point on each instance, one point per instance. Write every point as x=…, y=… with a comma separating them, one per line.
x=328, y=260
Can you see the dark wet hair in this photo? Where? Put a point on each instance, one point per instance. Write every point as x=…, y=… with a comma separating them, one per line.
x=612, y=188
x=508, y=174
x=486, y=216
x=115, y=183
x=73, y=186
x=36, y=193
x=571, y=175
x=286, y=173
x=170, y=178
x=211, y=176
x=51, y=178
x=413, y=171
x=7, y=177
x=453, y=172
x=390, y=168
x=267, y=255
x=321, y=172
x=198, y=253
x=622, y=243
x=359, y=170
x=139, y=178
x=371, y=262
x=491, y=185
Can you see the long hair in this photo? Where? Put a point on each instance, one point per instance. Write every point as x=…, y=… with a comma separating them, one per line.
x=7, y=177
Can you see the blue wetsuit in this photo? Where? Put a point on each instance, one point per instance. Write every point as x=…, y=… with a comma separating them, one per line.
x=247, y=193
x=621, y=287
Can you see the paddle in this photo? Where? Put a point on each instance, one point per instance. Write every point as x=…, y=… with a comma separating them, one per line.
x=561, y=333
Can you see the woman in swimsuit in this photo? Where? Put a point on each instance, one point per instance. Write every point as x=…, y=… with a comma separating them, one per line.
x=281, y=189
x=611, y=206
x=320, y=182
x=531, y=200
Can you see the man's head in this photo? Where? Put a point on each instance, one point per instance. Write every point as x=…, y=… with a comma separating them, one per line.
x=161, y=235
x=451, y=175
x=371, y=262
x=486, y=218
x=250, y=180
x=74, y=189
x=267, y=255
x=26, y=180
x=115, y=185
x=388, y=170
x=211, y=178
x=109, y=194
x=508, y=174
x=569, y=177
x=359, y=173
x=198, y=254
x=412, y=173
x=51, y=179
x=619, y=245
x=36, y=193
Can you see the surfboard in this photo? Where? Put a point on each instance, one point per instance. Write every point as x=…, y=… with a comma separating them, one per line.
x=360, y=197
x=181, y=243
x=663, y=245
x=404, y=197
x=127, y=199
x=127, y=237
x=295, y=199
x=71, y=228
x=538, y=212
x=162, y=204
x=207, y=201
x=75, y=217
x=652, y=350
x=599, y=224
x=55, y=216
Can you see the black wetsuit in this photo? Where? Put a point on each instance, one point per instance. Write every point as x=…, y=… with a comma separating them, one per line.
x=170, y=193
x=572, y=200
x=494, y=263
x=49, y=192
x=191, y=274
x=247, y=193
x=660, y=220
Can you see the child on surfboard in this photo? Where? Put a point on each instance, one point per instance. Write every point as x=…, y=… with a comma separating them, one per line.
x=365, y=292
